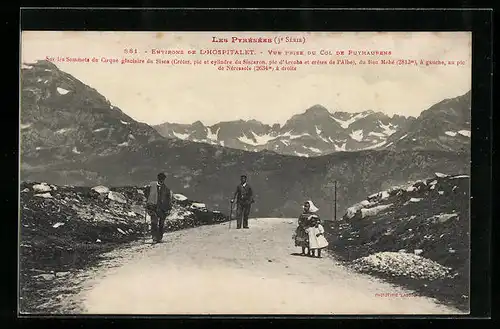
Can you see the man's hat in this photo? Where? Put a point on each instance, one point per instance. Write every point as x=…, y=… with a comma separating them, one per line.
x=161, y=176
x=243, y=175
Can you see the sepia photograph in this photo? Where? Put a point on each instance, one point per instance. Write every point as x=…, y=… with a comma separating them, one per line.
x=217, y=172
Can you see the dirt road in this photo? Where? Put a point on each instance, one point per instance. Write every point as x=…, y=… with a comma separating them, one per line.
x=214, y=270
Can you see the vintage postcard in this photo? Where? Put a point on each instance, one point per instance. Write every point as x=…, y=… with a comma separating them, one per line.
x=244, y=173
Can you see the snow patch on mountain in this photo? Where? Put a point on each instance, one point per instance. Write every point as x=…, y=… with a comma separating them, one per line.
x=404, y=136
x=124, y=122
x=388, y=129
x=180, y=136
x=318, y=131
x=301, y=154
x=75, y=150
x=340, y=148
x=372, y=133
x=450, y=133
x=213, y=136
x=62, y=91
x=259, y=139
x=357, y=135
x=324, y=139
x=263, y=139
x=465, y=133
x=459, y=176
x=346, y=123
x=315, y=150
x=288, y=134
x=375, y=145
x=246, y=140
x=25, y=125
x=63, y=130
x=100, y=129
x=123, y=144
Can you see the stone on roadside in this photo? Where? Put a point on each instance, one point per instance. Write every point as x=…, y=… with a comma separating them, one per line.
x=43, y=187
x=46, y=276
x=100, y=189
x=117, y=196
x=59, y=274
x=44, y=195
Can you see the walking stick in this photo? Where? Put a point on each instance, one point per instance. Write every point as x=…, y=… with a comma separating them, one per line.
x=145, y=223
x=230, y=215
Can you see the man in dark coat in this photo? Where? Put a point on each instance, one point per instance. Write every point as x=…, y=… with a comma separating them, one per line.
x=158, y=205
x=244, y=199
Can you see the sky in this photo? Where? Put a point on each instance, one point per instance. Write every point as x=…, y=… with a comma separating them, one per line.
x=180, y=93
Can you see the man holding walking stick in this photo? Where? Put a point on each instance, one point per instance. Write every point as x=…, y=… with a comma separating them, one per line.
x=244, y=199
x=158, y=206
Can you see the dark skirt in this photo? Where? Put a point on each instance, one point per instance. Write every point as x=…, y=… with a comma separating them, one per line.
x=301, y=237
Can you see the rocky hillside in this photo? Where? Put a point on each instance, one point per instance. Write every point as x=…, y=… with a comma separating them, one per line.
x=66, y=228
x=416, y=235
x=63, y=119
x=444, y=126
x=312, y=133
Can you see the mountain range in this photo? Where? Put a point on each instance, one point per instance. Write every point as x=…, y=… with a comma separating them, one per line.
x=72, y=135
x=317, y=131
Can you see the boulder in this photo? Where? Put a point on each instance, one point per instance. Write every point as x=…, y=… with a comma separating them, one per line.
x=44, y=195
x=100, y=189
x=180, y=197
x=43, y=187
x=46, y=276
x=117, y=196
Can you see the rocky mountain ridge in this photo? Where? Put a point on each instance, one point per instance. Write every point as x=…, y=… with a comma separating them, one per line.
x=312, y=133
x=317, y=131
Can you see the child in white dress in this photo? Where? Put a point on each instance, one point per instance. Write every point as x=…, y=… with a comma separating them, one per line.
x=317, y=240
